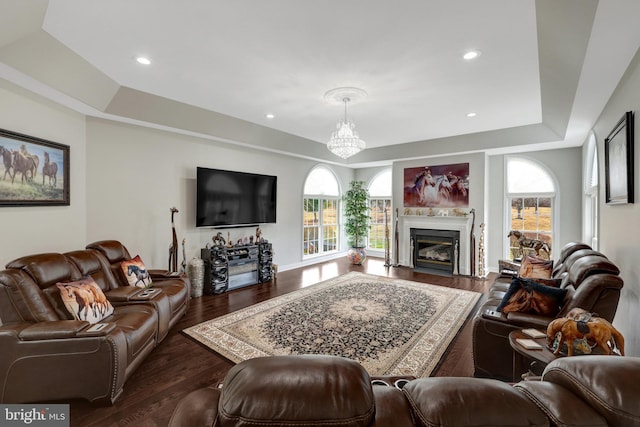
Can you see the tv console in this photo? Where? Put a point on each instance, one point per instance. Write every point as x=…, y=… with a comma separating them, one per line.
x=228, y=268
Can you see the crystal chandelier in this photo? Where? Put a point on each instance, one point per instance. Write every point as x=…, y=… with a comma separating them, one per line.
x=345, y=141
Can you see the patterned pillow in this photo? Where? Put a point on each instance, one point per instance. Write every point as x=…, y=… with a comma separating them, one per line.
x=85, y=300
x=136, y=273
x=528, y=296
x=535, y=268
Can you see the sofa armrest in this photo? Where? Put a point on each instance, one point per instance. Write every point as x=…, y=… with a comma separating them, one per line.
x=528, y=320
x=159, y=274
x=52, y=330
x=122, y=294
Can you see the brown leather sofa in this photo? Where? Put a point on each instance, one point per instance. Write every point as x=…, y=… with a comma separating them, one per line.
x=334, y=391
x=592, y=283
x=47, y=355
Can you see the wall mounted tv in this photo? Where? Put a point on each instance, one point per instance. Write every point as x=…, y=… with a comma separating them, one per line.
x=234, y=199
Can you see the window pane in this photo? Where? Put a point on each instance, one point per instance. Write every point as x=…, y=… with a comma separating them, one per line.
x=377, y=210
x=381, y=185
x=321, y=181
x=524, y=176
x=532, y=217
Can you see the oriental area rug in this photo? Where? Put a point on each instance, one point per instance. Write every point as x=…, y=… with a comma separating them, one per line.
x=390, y=326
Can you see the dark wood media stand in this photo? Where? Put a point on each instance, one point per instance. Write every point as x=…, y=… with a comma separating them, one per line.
x=228, y=268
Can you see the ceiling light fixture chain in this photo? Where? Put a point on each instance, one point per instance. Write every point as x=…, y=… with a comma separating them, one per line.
x=345, y=141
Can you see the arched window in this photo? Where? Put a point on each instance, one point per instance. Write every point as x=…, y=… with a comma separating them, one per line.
x=591, y=194
x=379, y=206
x=320, y=212
x=531, y=193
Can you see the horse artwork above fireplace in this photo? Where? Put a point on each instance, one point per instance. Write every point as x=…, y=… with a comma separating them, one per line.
x=435, y=251
x=442, y=186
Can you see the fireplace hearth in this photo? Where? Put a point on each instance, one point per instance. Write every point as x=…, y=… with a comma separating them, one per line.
x=435, y=251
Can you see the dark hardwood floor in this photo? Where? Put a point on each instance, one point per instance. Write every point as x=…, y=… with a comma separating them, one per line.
x=179, y=365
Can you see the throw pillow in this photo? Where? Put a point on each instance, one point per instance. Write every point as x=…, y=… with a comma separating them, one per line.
x=136, y=273
x=85, y=300
x=528, y=296
x=535, y=268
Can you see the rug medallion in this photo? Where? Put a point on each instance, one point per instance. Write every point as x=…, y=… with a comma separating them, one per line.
x=390, y=326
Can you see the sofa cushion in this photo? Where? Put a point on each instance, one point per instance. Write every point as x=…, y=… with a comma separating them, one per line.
x=528, y=296
x=136, y=272
x=535, y=268
x=304, y=390
x=85, y=300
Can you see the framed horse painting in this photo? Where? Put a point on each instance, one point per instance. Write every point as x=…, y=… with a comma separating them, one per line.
x=618, y=162
x=35, y=171
x=443, y=186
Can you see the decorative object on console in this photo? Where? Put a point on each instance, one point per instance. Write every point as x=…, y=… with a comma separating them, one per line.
x=183, y=266
x=565, y=330
x=356, y=221
x=85, y=300
x=195, y=271
x=173, y=249
x=472, y=243
x=618, y=162
x=525, y=242
x=387, y=242
x=136, y=272
x=481, y=261
x=345, y=141
x=445, y=186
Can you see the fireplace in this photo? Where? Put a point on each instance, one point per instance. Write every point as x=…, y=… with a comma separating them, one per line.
x=435, y=251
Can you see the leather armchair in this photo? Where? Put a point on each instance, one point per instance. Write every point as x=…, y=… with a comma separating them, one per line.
x=327, y=390
x=592, y=283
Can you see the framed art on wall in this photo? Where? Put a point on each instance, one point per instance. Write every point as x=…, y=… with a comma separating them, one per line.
x=443, y=186
x=35, y=172
x=618, y=162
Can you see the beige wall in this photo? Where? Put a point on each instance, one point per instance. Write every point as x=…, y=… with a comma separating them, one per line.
x=620, y=224
x=135, y=175
x=34, y=229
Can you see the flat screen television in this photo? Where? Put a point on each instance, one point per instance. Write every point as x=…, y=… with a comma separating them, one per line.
x=234, y=199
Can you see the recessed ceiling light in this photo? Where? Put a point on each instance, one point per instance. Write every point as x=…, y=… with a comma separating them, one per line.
x=471, y=114
x=472, y=54
x=143, y=60
x=269, y=116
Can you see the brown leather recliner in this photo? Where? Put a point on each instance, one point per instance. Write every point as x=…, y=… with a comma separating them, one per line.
x=90, y=262
x=176, y=287
x=592, y=283
x=46, y=355
x=334, y=391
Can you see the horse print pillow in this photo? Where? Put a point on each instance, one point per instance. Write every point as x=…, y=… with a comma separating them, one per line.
x=136, y=273
x=535, y=268
x=85, y=300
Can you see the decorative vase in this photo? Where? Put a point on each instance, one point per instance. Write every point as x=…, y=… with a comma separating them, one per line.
x=195, y=270
x=356, y=255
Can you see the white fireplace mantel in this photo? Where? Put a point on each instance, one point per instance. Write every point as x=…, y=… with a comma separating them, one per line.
x=459, y=223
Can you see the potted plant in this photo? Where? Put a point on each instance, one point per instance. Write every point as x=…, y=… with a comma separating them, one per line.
x=356, y=220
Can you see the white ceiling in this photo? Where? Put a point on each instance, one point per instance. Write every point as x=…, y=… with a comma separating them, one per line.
x=241, y=59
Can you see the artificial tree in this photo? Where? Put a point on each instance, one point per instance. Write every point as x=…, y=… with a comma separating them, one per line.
x=356, y=219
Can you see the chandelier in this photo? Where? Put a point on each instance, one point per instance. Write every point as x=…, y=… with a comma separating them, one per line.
x=345, y=141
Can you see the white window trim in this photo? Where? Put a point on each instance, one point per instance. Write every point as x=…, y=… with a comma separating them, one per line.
x=338, y=198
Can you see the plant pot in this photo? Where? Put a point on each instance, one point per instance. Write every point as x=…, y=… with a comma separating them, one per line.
x=357, y=255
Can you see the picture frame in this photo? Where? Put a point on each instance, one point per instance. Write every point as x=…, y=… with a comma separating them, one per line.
x=436, y=186
x=618, y=162
x=35, y=171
